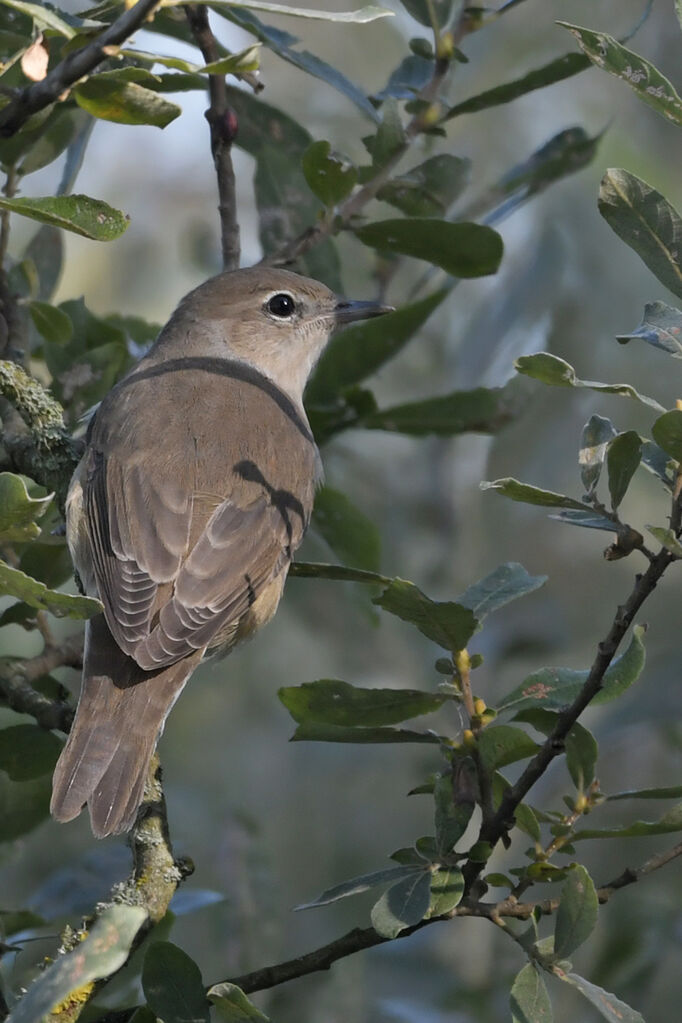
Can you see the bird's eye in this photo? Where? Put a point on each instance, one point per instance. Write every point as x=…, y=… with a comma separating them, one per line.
x=281, y=305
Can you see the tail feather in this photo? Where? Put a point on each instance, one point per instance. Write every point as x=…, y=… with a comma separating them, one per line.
x=121, y=712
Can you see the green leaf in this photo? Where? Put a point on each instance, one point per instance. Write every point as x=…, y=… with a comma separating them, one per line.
x=363, y=883
x=596, y=434
x=667, y=538
x=61, y=129
x=581, y=756
x=233, y=1006
x=341, y=573
x=447, y=888
x=666, y=792
x=353, y=538
x=461, y=249
x=499, y=745
x=587, y=519
x=409, y=78
x=390, y=136
x=658, y=463
x=19, y=511
x=577, y=914
x=517, y=491
x=670, y=822
x=623, y=456
x=330, y=176
x=556, y=372
x=421, y=11
x=556, y=71
x=452, y=815
x=667, y=432
x=51, y=323
x=172, y=985
x=429, y=189
x=556, y=688
x=124, y=102
x=23, y=805
x=610, y=1007
x=506, y=583
x=482, y=410
x=44, y=18
x=27, y=751
x=316, y=731
x=14, y=583
x=235, y=63
x=88, y=217
x=12, y=921
x=403, y=905
x=361, y=349
x=645, y=221
x=332, y=702
x=646, y=80
x=528, y=999
x=446, y=623
x=100, y=954
x=46, y=252
x=361, y=16
x=661, y=327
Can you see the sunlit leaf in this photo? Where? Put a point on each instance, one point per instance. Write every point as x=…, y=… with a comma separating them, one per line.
x=330, y=177
x=235, y=63
x=645, y=221
x=607, y=53
x=361, y=16
x=596, y=434
x=124, y=102
x=88, y=217
x=667, y=538
x=661, y=327
x=527, y=494
x=667, y=432
x=556, y=372
x=333, y=702
x=670, y=822
x=14, y=583
x=447, y=889
x=233, y=1006
x=18, y=510
x=461, y=249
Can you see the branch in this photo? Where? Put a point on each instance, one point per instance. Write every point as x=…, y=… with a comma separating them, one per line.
x=19, y=695
x=223, y=124
x=362, y=938
x=74, y=67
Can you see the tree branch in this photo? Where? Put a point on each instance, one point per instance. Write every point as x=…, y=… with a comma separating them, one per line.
x=223, y=124
x=74, y=66
x=17, y=692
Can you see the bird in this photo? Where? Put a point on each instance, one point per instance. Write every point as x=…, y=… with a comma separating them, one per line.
x=195, y=489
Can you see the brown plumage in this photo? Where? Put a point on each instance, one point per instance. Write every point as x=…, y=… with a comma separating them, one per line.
x=194, y=491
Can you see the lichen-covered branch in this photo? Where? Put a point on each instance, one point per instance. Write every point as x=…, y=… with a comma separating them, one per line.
x=222, y=122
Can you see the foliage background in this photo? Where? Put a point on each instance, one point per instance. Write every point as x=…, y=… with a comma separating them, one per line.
x=272, y=824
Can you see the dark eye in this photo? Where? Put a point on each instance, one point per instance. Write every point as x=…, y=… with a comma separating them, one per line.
x=281, y=305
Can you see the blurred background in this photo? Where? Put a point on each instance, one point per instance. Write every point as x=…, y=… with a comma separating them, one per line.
x=269, y=825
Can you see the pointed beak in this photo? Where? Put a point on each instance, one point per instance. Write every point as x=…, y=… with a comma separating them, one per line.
x=348, y=312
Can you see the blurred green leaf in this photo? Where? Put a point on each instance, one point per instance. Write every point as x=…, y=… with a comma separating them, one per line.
x=27, y=751
x=316, y=731
x=482, y=410
x=59, y=132
x=447, y=888
x=661, y=327
x=650, y=85
x=330, y=701
x=233, y=1006
x=665, y=792
x=46, y=251
x=124, y=102
x=499, y=745
x=80, y=214
x=44, y=18
x=12, y=921
x=14, y=583
x=330, y=177
x=623, y=456
x=235, y=63
x=528, y=999
x=389, y=140
x=429, y=189
x=667, y=432
x=556, y=71
x=452, y=815
x=361, y=16
x=23, y=806
x=403, y=905
x=442, y=11
x=52, y=323
x=581, y=756
x=556, y=688
x=100, y=954
x=506, y=583
x=596, y=434
x=448, y=624
x=556, y=372
x=361, y=349
x=341, y=573
x=363, y=883
x=667, y=538
x=645, y=221
x=671, y=821
x=461, y=249
x=577, y=914
x=610, y=1007
x=172, y=985
x=586, y=519
x=49, y=561
x=353, y=538
x=19, y=511
x=408, y=79
x=524, y=492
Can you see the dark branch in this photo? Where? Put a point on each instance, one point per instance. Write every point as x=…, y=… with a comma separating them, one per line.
x=74, y=66
x=223, y=124
x=17, y=692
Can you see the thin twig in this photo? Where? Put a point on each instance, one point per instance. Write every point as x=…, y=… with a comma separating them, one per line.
x=74, y=66
x=17, y=692
x=223, y=124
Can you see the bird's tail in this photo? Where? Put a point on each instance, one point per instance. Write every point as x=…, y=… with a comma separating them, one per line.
x=121, y=711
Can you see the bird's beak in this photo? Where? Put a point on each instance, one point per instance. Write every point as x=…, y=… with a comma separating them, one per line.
x=348, y=312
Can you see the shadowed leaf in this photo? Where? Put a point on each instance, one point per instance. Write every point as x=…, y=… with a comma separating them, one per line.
x=172, y=985
x=623, y=456
x=353, y=538
x=581, y=756
x=27, y=751
x=447, y=888
x=403, y=905
x=667, y=432
x=449, y=624
x=670, y=822
x=577, y=914
x=500, y=745
x=315, y=731
x=524, y=492
x=528, y=999
x=482, y=410
x=363, y=883
x=462, y=249
x=506, y=583
x=329, y=701
x=429, y=189
x=330, y=177
x=610, y=1007
x=661, y=327
x=596, y=434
